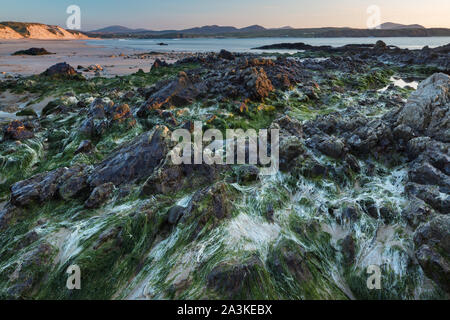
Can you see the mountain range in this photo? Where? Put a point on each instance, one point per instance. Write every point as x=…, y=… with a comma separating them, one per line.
x=215, y=29
x=212, y=29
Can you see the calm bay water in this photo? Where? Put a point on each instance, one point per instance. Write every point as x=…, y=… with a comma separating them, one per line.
x=245, y=45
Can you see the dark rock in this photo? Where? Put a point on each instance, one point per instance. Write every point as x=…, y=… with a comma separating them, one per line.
x=158, y=64
x=290, y=149
x=247, y=173
x=16, y=130
x=61, y=70
x=175, y=214
x=416, y=212
x=99, y=196
x=353, y=163
x=349, y=250
x=32, y=52
x=427, y=110
x=332, y=147
x=224, y=54
x=431, y=196
x=135, y=161
x=73, y=183
x=350, y=214
x=41, y=187
x=425, y=173
x=432, y=243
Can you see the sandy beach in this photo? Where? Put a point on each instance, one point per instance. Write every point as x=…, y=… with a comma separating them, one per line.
x=76, y=53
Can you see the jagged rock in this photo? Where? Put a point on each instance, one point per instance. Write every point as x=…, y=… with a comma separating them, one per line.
x=331, y=147
x=427, y=110
x=425, y=173
x=431, y=196
x=99, y=196
x=65, y=182
x=416, y=212
x=41, y=187
x=17, y=130
x=179, y=92
x=288, y=126
x=169, y=178
x=135, y=161
x=432, y=244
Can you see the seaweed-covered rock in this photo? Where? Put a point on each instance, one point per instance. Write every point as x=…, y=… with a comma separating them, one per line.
x=232, y=279
x=30, y=271
x=135, y=161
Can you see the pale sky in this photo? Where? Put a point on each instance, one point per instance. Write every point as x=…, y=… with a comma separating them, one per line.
x=179, y=14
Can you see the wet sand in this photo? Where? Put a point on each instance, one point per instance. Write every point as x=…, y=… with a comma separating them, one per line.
x=75, y=52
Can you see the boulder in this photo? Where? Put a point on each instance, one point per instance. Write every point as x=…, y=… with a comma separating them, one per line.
x=61, y=70
x=428, y=108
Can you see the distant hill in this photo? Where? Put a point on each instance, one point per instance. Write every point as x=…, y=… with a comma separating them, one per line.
x=118, y=29
x=283, y=28
x=397, y=26
x=22, y=30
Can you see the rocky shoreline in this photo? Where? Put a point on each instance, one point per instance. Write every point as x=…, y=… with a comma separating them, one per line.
x=364, y=180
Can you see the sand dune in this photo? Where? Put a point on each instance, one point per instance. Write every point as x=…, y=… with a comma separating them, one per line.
x=37, y=31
